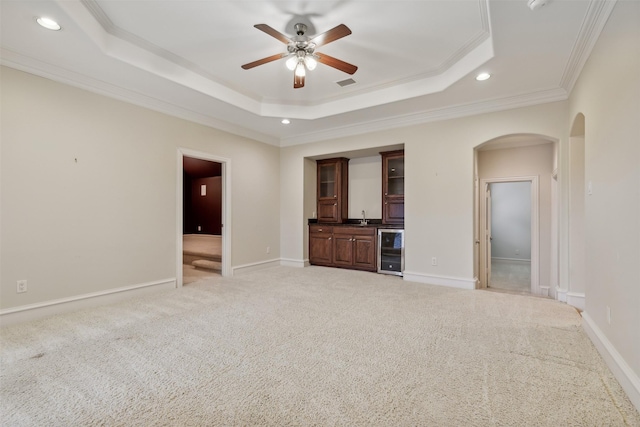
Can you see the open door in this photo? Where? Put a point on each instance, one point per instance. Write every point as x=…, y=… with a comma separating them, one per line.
x=487, y=235
x=484, y=234
x=488, y=195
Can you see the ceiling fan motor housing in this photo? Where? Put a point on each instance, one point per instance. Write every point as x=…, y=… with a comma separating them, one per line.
x=300, y=29
x=301, y=48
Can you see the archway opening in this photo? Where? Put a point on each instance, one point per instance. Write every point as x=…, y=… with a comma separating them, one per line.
x=517, y=158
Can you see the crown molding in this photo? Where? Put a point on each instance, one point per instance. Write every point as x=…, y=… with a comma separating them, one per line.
x=592, y=25
x=34, y=66
x=124, y=46
x=462, y=110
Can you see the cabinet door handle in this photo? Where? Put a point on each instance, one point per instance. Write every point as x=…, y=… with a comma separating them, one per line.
x=319, y=229
x=335, y=204
x=329, y=238
x=385, y=203
x=334, y=196
x=386, y=194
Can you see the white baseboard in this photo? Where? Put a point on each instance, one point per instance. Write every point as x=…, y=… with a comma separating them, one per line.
x=561, y=294
x=520, y=260
x=576, y=299
x=254, y=266
x=452, y=282
x=628, y=379
x=300, y=263
x=37, y=311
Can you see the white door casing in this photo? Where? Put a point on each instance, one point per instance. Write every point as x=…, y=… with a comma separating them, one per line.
x=485, y=233
x=226, y=208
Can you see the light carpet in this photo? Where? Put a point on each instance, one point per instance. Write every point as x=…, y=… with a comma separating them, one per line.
x=310, y=347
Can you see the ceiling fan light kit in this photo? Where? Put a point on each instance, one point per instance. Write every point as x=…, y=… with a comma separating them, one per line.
x=301, y=51
x=48, y=23
x=536, y=4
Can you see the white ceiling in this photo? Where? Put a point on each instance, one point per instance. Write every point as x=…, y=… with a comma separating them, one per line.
x=416, y=59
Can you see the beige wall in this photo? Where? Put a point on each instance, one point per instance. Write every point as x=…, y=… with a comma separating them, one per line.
x=535, y=160
x=608, y=94
x=438, y=183
x=577, y=195
x=109, y=220
x=365, y=187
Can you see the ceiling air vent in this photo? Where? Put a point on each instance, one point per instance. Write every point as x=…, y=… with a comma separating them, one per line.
x=346, y=82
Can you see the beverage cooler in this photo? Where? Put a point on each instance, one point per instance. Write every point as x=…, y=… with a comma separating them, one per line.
x=391, y=251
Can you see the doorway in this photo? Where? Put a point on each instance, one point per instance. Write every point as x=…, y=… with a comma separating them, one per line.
x=203, y=212
x=509, y=234
x=509, y=218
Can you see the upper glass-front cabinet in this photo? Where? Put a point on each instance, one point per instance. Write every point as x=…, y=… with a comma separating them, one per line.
x=393, y=187
x=333, y=190
x=395, y=176
x=327, y=180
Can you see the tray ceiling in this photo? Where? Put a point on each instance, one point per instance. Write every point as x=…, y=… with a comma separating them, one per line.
x=416, y=59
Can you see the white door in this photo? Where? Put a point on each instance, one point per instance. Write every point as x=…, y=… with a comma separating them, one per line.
x=487, y=240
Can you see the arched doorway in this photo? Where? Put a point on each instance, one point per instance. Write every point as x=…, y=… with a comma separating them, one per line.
x=518, y=158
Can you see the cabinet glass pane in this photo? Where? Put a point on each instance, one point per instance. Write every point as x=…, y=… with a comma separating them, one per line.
x=396, y=167
x=327, y=180
x=396, y=186
x=395, y=179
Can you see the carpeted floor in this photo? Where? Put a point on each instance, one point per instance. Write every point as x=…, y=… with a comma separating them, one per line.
x=313, y=346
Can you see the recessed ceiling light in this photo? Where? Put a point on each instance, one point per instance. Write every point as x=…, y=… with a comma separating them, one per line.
x=48, y=23
x=285, y=121
x=482, y=76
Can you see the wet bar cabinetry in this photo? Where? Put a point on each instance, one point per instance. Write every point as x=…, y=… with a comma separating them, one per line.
x=343, y=246
x=393, y=187
x=321, y=245
x=355, y=247
x=333, y=190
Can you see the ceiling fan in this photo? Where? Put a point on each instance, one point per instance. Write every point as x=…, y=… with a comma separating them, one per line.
x=301, y=51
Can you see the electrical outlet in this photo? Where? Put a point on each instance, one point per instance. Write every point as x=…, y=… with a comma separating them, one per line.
x=22, y=286
x=268, y=250
x=434, y=261
x=608, y=315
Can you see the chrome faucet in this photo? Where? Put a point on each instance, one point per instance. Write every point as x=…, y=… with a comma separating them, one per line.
x=363, y=221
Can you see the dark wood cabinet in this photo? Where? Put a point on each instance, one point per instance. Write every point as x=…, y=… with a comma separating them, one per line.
x=355, y=247
x=393, y=187
x=320, y=245
x=333, y=190
x=347, y=247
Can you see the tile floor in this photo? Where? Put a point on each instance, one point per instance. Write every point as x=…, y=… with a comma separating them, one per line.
x=510, y=275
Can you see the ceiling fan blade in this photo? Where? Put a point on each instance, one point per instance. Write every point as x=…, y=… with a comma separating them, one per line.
x=263, y=61
x=273, y=33
x=336, y=63
x=332, y=35
x=298, y=81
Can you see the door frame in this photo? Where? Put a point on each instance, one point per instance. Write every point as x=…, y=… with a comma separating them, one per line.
x=535, y=227
x=226, y=208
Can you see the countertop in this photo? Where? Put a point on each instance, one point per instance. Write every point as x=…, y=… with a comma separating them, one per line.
x=371, y=223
